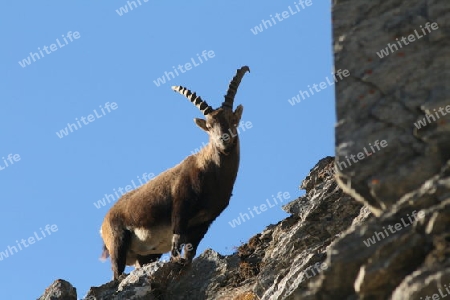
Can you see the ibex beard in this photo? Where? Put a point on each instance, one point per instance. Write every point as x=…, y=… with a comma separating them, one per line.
x=175, y=209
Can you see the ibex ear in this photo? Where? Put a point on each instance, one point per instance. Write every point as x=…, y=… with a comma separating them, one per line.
x=201, y=123
x=238, y=112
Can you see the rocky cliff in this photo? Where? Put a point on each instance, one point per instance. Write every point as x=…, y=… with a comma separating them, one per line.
x=401, y=101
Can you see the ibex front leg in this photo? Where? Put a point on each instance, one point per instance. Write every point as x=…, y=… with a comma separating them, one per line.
x=179, y=227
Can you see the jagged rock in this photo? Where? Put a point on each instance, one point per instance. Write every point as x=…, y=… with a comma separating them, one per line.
x=146, y=283
x=59, y=290
x=407, y=261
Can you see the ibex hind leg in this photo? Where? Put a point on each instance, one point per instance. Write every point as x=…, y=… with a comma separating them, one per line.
x=121, y=244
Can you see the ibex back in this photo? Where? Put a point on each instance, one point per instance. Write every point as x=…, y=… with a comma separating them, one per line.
x=177, y=207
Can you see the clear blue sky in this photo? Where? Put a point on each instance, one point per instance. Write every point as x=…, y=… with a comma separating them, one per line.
x=56, y=181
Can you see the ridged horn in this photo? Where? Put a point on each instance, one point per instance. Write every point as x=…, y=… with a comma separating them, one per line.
x=201, y=104
x=232, y=88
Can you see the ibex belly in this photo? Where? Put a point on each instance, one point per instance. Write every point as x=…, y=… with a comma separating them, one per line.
x=151, y=241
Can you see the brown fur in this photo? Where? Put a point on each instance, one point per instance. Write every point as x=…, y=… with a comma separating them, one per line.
x=178, y=206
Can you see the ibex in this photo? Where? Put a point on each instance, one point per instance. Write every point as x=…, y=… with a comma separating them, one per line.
x=177, y=207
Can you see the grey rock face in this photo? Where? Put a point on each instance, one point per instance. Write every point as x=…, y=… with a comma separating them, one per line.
x=403, y=252
x=384, y=97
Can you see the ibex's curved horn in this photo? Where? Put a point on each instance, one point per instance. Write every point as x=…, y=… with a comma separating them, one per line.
x=202, y=105
x=232, y=88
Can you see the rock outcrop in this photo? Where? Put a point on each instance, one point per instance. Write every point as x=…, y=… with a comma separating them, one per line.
x=60, y=289
x=403, y=254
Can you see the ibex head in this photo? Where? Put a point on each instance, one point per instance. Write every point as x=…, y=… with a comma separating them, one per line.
x=221, y=123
